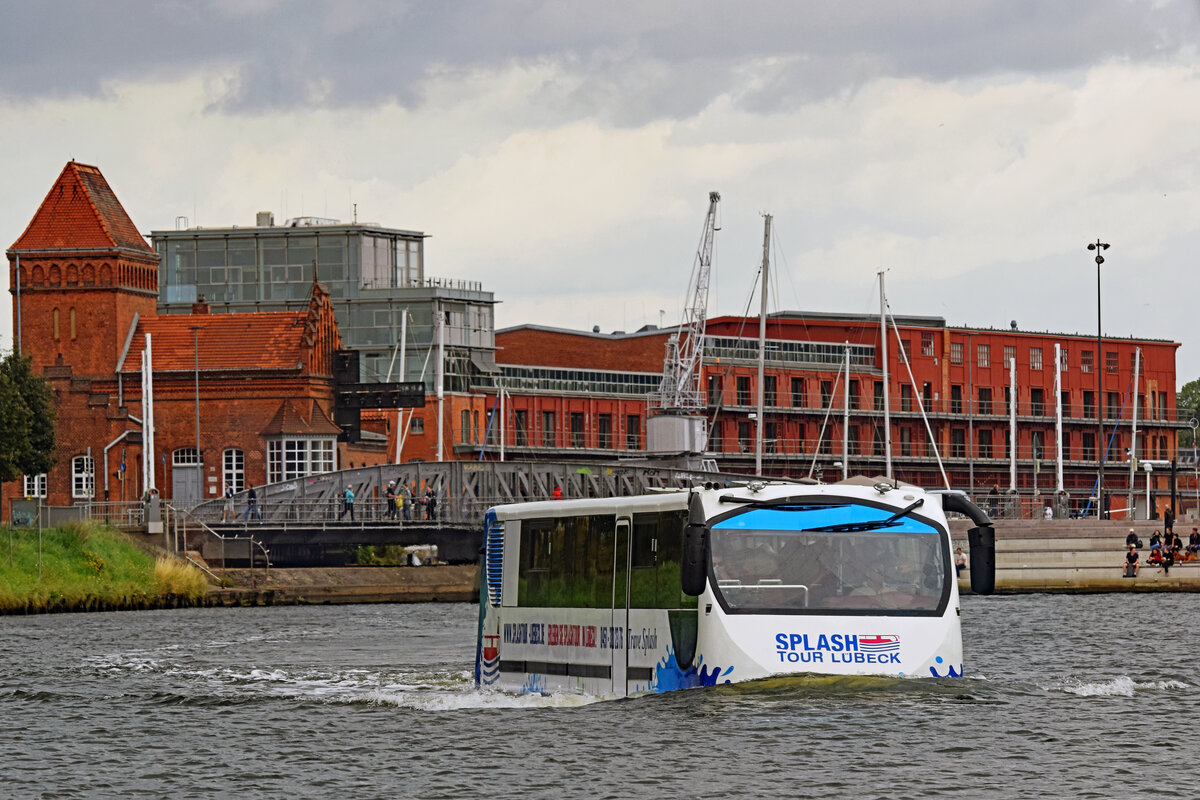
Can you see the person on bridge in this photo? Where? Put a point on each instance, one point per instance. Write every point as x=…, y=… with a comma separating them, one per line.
x=390, y=494
x=227, y=512
x=556, y=494
x=406, y=502
x=252, y=506
x=347, y=504
x=430, y=504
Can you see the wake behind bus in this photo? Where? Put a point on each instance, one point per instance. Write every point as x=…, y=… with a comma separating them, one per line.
x=723, y=584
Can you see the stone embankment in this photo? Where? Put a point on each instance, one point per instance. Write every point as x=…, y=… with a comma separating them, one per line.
x=330, y=585
x=1076, y=555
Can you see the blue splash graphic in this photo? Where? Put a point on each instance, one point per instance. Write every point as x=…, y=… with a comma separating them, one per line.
x=534, y=684
x=951, y=672
x=668, y=677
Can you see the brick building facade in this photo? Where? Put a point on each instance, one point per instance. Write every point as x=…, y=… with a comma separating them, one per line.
x=254, y=391
x=587, y=393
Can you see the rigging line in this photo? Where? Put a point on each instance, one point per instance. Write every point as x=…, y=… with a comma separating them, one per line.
x=821, y=434
x=786, y=268
x=913, y=382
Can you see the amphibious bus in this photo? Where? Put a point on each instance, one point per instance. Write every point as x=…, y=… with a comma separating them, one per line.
x=709, y=585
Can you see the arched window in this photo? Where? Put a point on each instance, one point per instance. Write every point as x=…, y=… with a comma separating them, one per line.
x=233, y=467
x=56, y=324
x=72, y=318
x=82, y=477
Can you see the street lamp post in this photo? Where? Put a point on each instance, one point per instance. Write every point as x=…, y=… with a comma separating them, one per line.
x=1099, y=247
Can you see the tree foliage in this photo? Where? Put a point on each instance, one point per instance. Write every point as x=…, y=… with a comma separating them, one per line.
x=1187, y=401
x=26, y=420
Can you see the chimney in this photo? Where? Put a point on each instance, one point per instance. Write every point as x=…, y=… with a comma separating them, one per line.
x=201, y=306
x=265, y=219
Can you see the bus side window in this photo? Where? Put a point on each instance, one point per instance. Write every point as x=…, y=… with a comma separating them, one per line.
x=670, y=559
x=657, y=556
x=643, y=580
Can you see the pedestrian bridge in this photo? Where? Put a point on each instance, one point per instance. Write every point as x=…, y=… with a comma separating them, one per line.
x=464, y=491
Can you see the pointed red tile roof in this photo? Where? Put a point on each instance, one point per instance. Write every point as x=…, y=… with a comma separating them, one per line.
x=81, y=211
x=290, y=418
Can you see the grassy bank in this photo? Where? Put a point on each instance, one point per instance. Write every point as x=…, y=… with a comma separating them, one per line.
x=87, y=566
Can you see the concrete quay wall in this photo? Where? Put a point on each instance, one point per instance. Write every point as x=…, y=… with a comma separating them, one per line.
x=1075, y=556
x=333, y=585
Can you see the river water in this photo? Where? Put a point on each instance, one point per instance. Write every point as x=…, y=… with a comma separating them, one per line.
x=1066, y=696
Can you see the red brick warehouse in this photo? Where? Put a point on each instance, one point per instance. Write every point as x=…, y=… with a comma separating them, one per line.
x=259, y=385
x=586, y=392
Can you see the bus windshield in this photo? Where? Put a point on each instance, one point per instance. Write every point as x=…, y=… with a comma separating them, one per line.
x=771, y=570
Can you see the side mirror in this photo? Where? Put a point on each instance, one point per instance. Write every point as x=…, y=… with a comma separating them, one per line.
x=694, y=566
x=982, y=541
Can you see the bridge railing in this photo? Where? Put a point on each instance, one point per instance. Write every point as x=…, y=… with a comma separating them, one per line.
x=127, y=514
x=286, y=512
x=186, y=532
x=463, y=490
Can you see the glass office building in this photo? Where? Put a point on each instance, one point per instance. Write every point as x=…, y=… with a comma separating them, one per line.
x=375, y=275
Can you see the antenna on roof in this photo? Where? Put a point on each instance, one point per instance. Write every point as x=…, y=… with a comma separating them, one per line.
x=356, y=213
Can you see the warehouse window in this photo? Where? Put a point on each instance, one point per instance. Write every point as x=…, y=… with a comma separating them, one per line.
x=82, y=477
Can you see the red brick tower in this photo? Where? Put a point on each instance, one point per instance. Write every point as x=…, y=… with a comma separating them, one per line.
x=85, y=271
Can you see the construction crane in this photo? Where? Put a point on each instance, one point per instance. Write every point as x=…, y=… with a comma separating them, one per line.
x=677, y=426
x=680, y=391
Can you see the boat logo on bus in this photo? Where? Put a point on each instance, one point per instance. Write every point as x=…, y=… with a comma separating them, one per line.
x=837, y=648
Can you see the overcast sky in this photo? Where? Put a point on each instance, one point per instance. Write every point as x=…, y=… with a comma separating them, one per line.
x=562, y=152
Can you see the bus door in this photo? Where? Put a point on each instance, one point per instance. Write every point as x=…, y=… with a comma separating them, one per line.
x=619, y=633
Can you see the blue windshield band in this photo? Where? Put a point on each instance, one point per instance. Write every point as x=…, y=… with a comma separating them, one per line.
x=769, y=519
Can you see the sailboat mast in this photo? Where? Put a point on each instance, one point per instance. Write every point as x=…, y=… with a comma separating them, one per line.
x=846, y=419
x=1137, y=368
x=762, y=346
x=887, y=414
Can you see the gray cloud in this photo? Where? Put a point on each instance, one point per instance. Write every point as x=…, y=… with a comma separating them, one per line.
x=634, y=62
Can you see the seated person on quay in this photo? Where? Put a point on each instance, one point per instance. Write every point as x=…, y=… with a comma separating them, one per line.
x=1131, y=565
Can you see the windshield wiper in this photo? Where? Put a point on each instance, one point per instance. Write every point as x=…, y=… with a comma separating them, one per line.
x=873, y=524
x=782, y=504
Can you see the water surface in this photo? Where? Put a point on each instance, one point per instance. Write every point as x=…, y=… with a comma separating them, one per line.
x=1066, y=696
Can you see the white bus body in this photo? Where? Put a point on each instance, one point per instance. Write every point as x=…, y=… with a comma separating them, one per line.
x=846, y=579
